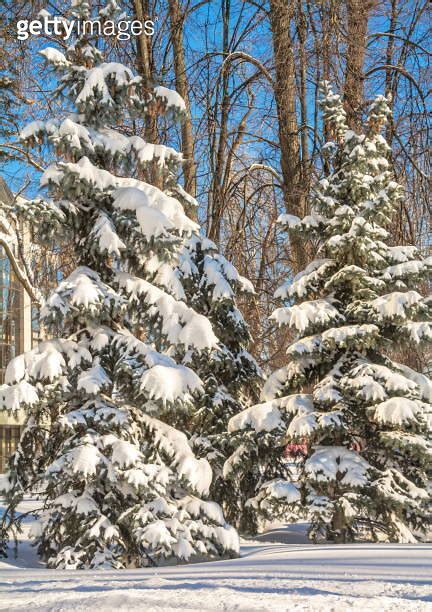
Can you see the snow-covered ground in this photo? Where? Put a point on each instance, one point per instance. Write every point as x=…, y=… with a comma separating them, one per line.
x=270, y=575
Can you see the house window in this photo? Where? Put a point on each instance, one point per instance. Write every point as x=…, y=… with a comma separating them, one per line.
x=9, y=438
x=10, y=314
x=11, y=335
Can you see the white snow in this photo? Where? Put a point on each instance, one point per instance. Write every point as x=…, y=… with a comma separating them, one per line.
x=82, y=288
x=84, y=291
x=396, y=304
x=367, y=388
x=32, y=129
x=290, y=221
x=327, y=391
x=339, y=335
x=307, y=314
x=279, y=571
x=329, y=463
x=129, y=194
x=92, y=380
x=14, y=397
x=302, y=425
x=16, y=369
x=263, y=417
x=147, y=151
x=281, y=489
x=407, y=270
x=55, y=57
x=169, y=382
x=277, y=380
x=173, y=442
x=392, y=381
x=172, y=98
x=334, y=337
x=49, y=365
x=423, y=383
x=401, y=254
x=217, y=274
x=125, y=454
x=165, y=275
x=305, y=281
x=214, y=277
x=398, y=410
x=107, y=237
x=165, y=379
x=142, y=198
x=153, y=222
x=269, y=415
x=84, y=140
x=83, y=459
x=181, y=324
x=419, y=331
x=74, y=133
x=96, y=81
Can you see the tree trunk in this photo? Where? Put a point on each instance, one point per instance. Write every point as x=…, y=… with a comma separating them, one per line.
x=357, y=26
x=389, y=62
x=302, y=35
x=327, y=48
x=338, y=527
x=182, y=86
x=217, y=195
x=145, y=69
x=282, y=12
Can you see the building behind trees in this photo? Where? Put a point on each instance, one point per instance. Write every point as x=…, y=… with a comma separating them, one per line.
x=16, y=335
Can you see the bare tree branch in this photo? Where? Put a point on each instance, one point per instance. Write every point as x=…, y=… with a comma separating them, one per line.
x=245, y=57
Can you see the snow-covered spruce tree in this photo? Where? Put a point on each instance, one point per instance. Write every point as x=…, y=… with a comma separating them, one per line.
x=366, y=419
x=118, y=487
x=231, y=377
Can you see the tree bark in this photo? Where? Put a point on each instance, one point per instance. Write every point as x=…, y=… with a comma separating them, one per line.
x=302, y=35
x=144, y=53
x=389, y=62
x=182, y=86
x=327, y=47
x=357, y=26
x=145, y=69
x=216, y=200
x=282, y=12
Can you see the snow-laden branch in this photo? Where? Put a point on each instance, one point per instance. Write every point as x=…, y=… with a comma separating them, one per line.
x=245, y=57
x=266, y=168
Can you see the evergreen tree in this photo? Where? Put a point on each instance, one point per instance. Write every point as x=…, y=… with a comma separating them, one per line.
x=365, y=418
x=230, y=375
x=118, y=487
